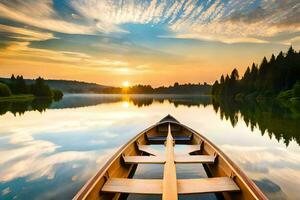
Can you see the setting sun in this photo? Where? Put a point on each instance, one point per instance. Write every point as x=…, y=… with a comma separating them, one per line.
x=125, y=84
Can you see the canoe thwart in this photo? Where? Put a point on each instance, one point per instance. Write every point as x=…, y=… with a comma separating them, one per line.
x=205, y=159
x=162, y=139
x=184, y=186
x=144, y=159
x=206, y=185
x=133, y=186
x=148, y=149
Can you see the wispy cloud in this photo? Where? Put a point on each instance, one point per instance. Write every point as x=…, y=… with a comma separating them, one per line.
x=222, y=21
x=219, y=19
x=25, y=34
x=40, y=14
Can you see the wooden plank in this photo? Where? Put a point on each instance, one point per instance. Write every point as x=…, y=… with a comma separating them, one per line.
x=184, y=186
x=144, y=159
x=189, y=149
x=206, y=185
x=193, y=148
x=169, y=180
x=148, y=149
x=205, y=159
x=133, y=186
x=162, y=139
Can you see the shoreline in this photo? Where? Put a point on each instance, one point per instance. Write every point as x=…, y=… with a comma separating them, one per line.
x=22, y=97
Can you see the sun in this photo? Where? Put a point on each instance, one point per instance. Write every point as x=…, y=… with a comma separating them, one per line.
x=125, y=84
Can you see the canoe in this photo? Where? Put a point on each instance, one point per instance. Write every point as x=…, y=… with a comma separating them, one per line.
x=116, y=178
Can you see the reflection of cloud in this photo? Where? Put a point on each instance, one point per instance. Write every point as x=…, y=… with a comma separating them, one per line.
x=5, y=191
x=33, y=155
x=36, y=164
x=261, y=163
x=262, y=158
x=33, y=158
x=272, y=189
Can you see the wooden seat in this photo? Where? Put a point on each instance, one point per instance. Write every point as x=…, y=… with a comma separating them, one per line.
x=162, y=139
x=206, y=185
x=188, y=149
x=204, y=159
x=133, y=186
x=184, y=186
x=144, y=159
x=193, y=148
x=148, y=149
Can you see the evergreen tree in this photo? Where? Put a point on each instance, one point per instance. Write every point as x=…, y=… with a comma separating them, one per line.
x=270, y=78
x=21, y=87
x=41, y=89
x=234, y=75
x=222, y=80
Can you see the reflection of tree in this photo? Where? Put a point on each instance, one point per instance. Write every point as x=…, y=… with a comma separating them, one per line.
x=41, y=104
x=176, y=100
x=74, y=101
x=20, y=107
x=191, y=101
x=140, y=102
x=270, y=116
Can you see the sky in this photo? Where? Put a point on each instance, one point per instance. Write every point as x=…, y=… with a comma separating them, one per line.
x=155, y=42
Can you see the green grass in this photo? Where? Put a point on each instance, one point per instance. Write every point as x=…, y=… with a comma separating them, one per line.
x=22, y=97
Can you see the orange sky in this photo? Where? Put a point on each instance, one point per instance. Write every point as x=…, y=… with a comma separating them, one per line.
x=155, y=43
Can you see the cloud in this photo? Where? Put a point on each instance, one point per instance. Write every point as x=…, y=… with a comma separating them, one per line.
x=25, y=34
x=227, y=40
x=198, y=19
x=40, y=14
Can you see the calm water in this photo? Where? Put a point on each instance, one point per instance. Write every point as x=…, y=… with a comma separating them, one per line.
x=49, y=150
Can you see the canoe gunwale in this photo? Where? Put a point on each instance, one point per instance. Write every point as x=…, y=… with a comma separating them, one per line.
x=236, y=171
x=92, y=181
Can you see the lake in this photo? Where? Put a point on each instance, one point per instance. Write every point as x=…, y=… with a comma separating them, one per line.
x=48, y=150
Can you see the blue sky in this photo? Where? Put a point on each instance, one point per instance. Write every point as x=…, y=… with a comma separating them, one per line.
x=153, y=42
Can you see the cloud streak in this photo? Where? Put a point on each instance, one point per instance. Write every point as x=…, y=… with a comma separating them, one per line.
x=40, y=14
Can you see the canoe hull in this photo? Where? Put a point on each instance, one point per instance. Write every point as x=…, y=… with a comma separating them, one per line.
x=116, y=167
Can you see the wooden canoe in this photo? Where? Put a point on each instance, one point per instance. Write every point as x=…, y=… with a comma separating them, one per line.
x=224, y=178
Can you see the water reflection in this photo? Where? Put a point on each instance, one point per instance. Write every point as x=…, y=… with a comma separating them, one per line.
x=51, y=155
x=270, y=117
x=20, y=107
x=79, y=100
x=74, y=101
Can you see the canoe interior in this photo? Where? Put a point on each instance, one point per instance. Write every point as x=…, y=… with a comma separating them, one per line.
x=123, y=164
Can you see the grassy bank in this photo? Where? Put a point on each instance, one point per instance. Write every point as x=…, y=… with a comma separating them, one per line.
x=25, y=97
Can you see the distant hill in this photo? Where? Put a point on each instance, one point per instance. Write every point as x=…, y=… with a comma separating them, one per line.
x=67, y=86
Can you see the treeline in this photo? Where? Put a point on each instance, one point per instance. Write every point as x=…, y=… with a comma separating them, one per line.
x=18, y=86
x=174, y=89
x=270, y=78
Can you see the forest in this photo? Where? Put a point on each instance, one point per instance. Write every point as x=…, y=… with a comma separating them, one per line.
x=18, y=86
x=277, y=77
x=176, y=88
